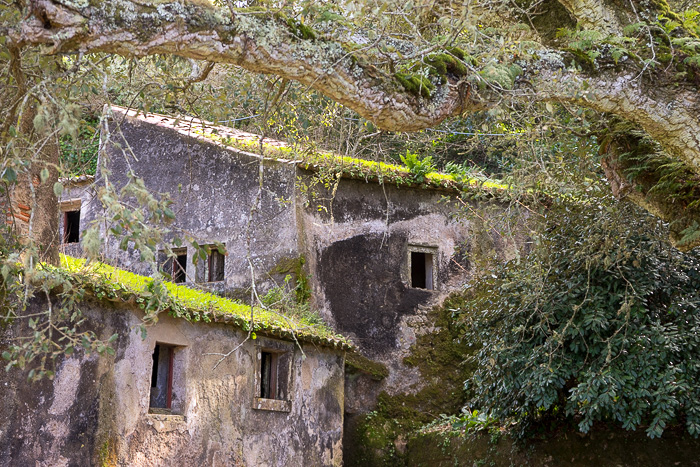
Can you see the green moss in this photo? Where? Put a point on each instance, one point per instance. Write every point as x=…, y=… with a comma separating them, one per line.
x=440, y=359
x=252, y=10
x=415, y=84
x=501, y=74
x=350, y=167
x=582, y=59
x=664, y=58
x=664, y=8
x=438, y=66
x=446, y=63
x=457, y=52
x=299, y=29
x=108, y=454
x=113, y=284
x=359, y=363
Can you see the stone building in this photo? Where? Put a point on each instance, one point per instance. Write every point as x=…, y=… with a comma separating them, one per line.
x=375, y=249
x=161, y=399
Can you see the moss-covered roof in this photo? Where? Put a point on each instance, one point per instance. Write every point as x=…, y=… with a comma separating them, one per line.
x=350, y=167
x=109, y=283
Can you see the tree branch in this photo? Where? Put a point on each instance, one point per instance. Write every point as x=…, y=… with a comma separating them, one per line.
x=593, y=14
x=258, y=43
x=266, y=43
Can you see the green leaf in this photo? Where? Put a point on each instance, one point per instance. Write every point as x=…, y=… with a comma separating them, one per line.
x=9, y=175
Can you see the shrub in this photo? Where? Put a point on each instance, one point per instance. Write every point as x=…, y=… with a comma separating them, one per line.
x=599, y=323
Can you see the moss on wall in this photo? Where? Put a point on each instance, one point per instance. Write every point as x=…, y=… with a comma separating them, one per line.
x=381, y=434
x=108, y=454
x=356, y=362
x=295, y=266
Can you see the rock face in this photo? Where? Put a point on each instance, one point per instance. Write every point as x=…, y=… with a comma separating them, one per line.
x=373, y=257
x=99, y=410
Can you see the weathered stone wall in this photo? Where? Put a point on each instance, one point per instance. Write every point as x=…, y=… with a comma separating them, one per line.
x=355, y=236
x=96, y=409
x=213, y=189
x=357, y=242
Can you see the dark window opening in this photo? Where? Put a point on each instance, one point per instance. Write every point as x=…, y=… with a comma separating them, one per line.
x=179, y=273
x=268, y=375
x=215, y=267
x=162, y=377
x=421, y=270
x=71, y=226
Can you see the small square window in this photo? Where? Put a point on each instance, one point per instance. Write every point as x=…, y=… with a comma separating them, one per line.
x=71, y=226
x=166, y=388
x=422, y=267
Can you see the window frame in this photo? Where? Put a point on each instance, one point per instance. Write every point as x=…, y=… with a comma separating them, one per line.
x=204, y=269
x=282, y=357
x=176, y=269
x=408, y=273
x=66, y=207
x=175, y=385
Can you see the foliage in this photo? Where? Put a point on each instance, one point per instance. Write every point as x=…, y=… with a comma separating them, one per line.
x=419, y=168
x=77, y=276
x=79, y=152
x=291, y=300
x=58, y=332
x=416, y=170
x=599, y=323
x=668, y=183
x=466, y=422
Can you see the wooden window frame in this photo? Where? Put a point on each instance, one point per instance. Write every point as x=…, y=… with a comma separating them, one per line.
x=280, y=357
x=68, y=207
x=177, y=270
x=210, y=266
x=171, y=360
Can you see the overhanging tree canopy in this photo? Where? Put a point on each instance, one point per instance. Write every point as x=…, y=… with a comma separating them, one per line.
x=408, y=67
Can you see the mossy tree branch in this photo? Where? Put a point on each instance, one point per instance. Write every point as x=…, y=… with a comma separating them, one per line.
x=328, y=60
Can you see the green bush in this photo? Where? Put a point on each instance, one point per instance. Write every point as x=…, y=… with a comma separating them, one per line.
x=601, y=322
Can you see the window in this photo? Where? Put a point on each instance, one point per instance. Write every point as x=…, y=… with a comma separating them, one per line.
x=422, y=267
x=179, y=266
x=215, y=267
x=269, y=369
x=162, y=377
x=71, y=226
x=273, y=379
x=167, y=378
x=211, y=269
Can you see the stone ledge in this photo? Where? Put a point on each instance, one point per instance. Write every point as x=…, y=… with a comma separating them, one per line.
x=274, y=405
